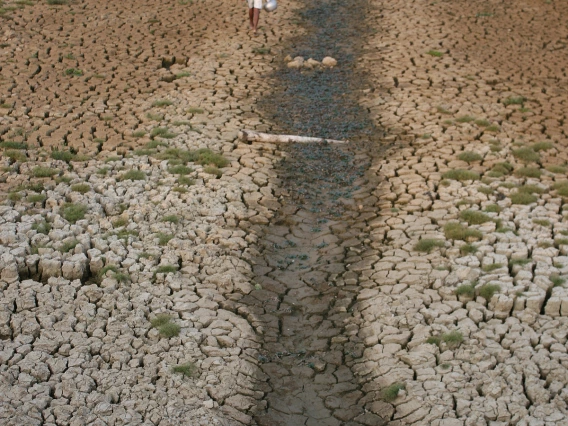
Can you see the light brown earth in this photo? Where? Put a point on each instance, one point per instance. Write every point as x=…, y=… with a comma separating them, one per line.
x=290, y=319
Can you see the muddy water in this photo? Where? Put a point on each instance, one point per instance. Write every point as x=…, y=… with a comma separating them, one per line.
x=305, y=291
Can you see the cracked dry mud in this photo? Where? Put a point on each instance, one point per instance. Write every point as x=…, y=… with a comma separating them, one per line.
x=414, y=277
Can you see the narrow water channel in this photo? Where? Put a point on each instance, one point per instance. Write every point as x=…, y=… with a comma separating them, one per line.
x=305, y=292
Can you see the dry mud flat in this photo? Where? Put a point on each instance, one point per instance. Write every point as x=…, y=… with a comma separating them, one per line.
x=437, y=297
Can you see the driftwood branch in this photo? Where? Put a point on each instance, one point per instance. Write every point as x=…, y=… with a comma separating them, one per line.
x=253, y=136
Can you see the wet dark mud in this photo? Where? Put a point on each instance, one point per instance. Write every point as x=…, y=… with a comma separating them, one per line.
x=305, y=297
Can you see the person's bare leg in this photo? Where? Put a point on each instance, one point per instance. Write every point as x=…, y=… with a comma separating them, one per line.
x=256, y=15
x=251, y=17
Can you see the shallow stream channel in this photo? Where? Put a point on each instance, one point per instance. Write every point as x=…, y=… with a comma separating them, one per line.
x=305, y=300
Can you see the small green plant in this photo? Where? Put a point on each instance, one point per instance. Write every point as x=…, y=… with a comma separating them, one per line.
x=488, y=290
x=514, y=100
x=121, y=277
x=530, y=172
x=13, y=145
x=561, y=242
x=544, y=244
x=162, y=132
x=556, y=169
x=467, y=290
x=166, y=269
x=491, y=267
x=133, y=175
x=487, y=190
x=457, y=231
x=541, y=222
x=73, y=71
x=542, y=146
x=119, y=222
x=181, y=123
x=14, y=196
x=16, y=155
x=162, y=103
x=445, y=366
x=169, y=330
x=36, y=198
x=139, y=134
x=57, y=2
x=527, y=155
x=465, y=119
x=63, y=155
x=171, y=218
x=465, y=202
x=164, y=238
x=433, y=340
x=557, y=281
x=160, y=320
x=155, y=117
x=561, y=188
x=113, y=158
x=212, y=170
x=141, y=152
x=470, y=157
x=474, y=217
x=182, y=74
x=390, y=393
x=520, y=262
x=482, y=122
x=184, y=180
x=195, y=111
x=531, y=189
x=180, y=170
x=495, y=148
x=443, y=110
x=179, y=189
x=435, y=53
x=523, y=198
x=73, y=212
x=102, y=171
x=461, y=175
x=453, y=339
x=188, y=369
x=108, y=268
x=153, y=144
x=41, y=172
x=261, y=50
x=68, y=246
x=426, y=245
x=467, y=249
x=42, y=227
x=82, y=188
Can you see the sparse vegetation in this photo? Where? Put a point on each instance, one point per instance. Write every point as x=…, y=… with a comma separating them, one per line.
x=514, y=100
x=212, y=170
x=165, y=327
x=520, y=262
x=487, y=190
x=457, y=231
x=461, y=175
x=73, y=212
x=195, y=111
x=188, y=369
x=443, y=110
x=557, y=281
x=542, y=146
x=166, y=269
x=488, y=290
x=531, y=172
x=155, y=117
x=164, y=238
x=69, y=245
x=474, y=217
x=36, y=198
x=82, y=188
x=182, y=74
x=162, y=132
x=491, y=267
x=66, y=156
x=390, y=393
x=16, y=155
x=453, y=338
x=523, y=198
x=435, y=53
x=470, y=157
x=133, y=175
x=426, y=245
x=41, y=172
x=102, y=171
x=467, y=249
x=57, y=2
x=171, y=218
x=72, y=71
x=162, y=103
x=119, y=222
x=184, y=180
x=14, y=196
x=13, y=145
x=139, y=134
x=561, y=188
x=180, y=170
x=483, y=122
x=526, y=155
x=556, y=169
x=541, y=222
x=467, y=290
x=465, y=119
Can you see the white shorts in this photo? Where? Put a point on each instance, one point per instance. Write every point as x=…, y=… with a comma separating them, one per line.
x=257, y=4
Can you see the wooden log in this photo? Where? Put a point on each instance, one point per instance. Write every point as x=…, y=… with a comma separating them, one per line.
x=253, y=136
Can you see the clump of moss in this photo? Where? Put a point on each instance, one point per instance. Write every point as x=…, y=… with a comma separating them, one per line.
x=390, y=393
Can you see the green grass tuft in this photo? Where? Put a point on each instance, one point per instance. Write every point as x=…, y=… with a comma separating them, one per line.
x=461, y=175
x=474, y=217
x=169, y=330
x=457, y=231
x=212, y=170
x=188, y=369
x=68, y=246
x=465, y=119
x=166, y=269
x=467, y=249
x=426, y=245
x=433, y=340
x=42, y=227
x=482, y=122
x=527, y=155
x=390, y=393
x=514, y=100
x=453, y=338
x=13, y=145
x=139, y=134
x=160, y=320
x=133, y=175
x=66, y=156
x=530, y=172
x=162, y=132
x=184, y=180
x=119, y=222
x=162, y=103
x=487, y=190
x=435, y=53
x=73, y=71
x=523, y=198
x=488, y=290
x=41, y=172
x=541, y=222
x=556, y=169
x=164, y=238
x=171, y=218
x=73, y=212
x=82, y=188
x=467, y=290
x=542, y=146
x=557, y=281
x=180, y=170
x=561, y=188
x=470, y=157
x=37, y=198
x=195, y=111
x=492, y=267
